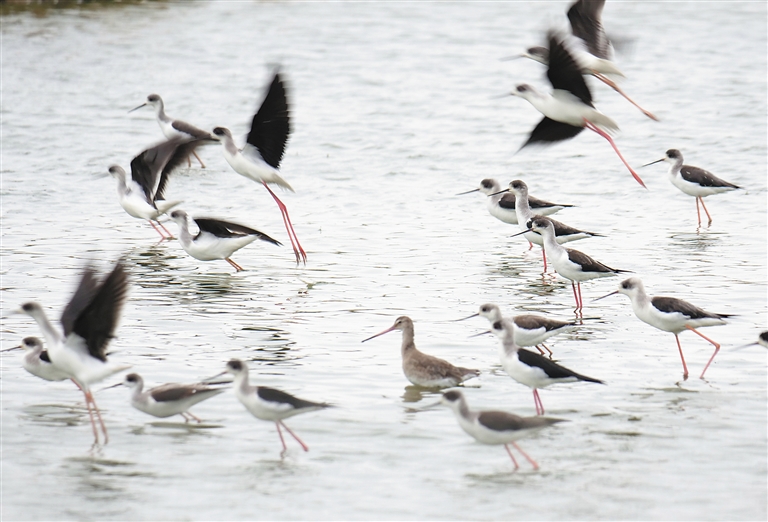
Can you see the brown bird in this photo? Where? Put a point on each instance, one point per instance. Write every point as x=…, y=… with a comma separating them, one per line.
x=422, y=369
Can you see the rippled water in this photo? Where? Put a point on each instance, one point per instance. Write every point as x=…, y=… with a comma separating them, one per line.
x=395, y=112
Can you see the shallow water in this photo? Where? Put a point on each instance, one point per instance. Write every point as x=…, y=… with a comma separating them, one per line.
x=395, y=112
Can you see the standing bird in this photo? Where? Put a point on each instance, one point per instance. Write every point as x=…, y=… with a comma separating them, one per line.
x=501, y=204
x=670, y=314
x=141, y=193
x=216, y=239
x=530, y=368
x=530, y=329
x=569, y=109
x=37, y=361
x=174, y=129
x=569, y=263
x=422, y=369
x=563, y=232
x=694, y=181
x=167, y=400
x=260, y=157
x=269, y=404
x=89, y=322
x=495, y=427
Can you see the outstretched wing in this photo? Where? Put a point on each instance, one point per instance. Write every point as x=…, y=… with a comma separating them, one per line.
x=179, y=154
x=563, y=72
x=271, y=125
x=221, y=228
x=585, y=16
x=551, y=131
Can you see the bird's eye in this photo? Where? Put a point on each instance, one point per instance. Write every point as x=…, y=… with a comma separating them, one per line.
x=27, y=307
x=485, y=309
x=625, y=285
x=521, y=88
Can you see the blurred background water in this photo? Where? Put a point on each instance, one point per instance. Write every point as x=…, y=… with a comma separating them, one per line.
x=395, y=110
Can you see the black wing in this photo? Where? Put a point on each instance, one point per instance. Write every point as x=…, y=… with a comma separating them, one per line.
x=590, y=265
x=226, y=229
x=175, y=159
x=507, y=201
x=533, y=322
x=551, y=131
x=552, y=369
x=584, y=16
x=540, y=203
x=175, y=392
x=280, y=397
x=703, y=177
x=97, y=319
x=183, y=126
x=500, y=421
x=271, y=124
x=671, y=305
x=83, y=296
x=563, y=72
x=561, y=229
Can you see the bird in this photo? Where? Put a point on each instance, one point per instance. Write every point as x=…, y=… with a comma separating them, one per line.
x=89, y=322
x=501, y=205
x=167, y=400
x=260, y=157
x=530, y=368
x=694, y=181
x=563, y=232
x=269, y=404
x=569, y=108
x=596, y=59
x=495, y=427
x=174, y=129
x=142, y=193
x=216, y=239
x=569, y=263
x=530, y=329
x=762, y=340
x=37, y=361
x=670, y=314
x=422, y=369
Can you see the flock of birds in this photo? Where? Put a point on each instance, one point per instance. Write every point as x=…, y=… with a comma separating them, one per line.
x=78, y=351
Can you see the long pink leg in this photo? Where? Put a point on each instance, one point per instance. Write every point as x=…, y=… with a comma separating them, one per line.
x=610, y=83
x=540, y=350
x=705, y=209
x=524, y=454
x=285, y=448
x=184, y=415
x=98, y=415
x=198, y=419
x=547, y=348
x=575, y=295
x=157, y=229
x=90, y=416
x=165, y=230
x=698, y=212
x=539, y=404
x=717, y=349
x=201, y=161
x=581, y=299
x=512, y=456
x=289, y=227
x=605, y=135
x=680, y=349
x=237, y=267
x=544, y=256
x=304, y=446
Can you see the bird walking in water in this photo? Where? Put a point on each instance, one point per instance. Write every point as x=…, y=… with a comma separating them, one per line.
x=142, y=193
x=37, y=361
x=670, y=314
x=167, y=400
x=269, y=404
x=569, y=263
x=216, y=239
x=495, y=427
x=260, y=157
x=530, y=368
x=694, y=181
x=422, y=369
x=89, y=322
x=569, y=108
x=175, y=129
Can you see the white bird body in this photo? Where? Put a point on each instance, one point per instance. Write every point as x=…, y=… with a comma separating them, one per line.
x=36, y=361
x=167, y=400
x=249, y=163
x=134, y=200
x=564, y=107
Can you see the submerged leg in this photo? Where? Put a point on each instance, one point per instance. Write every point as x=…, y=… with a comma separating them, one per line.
x=238, y=268
x=680, y=349
x=506, y=447
x=304, y=446
x=705, y=210
x=285, y=448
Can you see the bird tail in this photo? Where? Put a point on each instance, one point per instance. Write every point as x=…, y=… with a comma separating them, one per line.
x=164, y=206
x=606, y=67
x=276, y=179
x=604, y=122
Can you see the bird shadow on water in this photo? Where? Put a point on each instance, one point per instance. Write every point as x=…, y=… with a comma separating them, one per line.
x=57, y=415
x=699, y=241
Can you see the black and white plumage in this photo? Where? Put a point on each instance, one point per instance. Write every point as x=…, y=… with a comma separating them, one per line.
x=89, y=322
x=694, y=181
x=501, y=204
x=670, y=314
x=216, y=239
x=259, y=159
x=37, y=361
x=495, y=427
x=175, y=129
x=531, y=368
x=142, y=192
x=269, y=404
x=170, y=399
x=569, y=108
x=569, y=263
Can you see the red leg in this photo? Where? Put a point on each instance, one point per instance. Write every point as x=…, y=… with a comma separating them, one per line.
x=698, y=212
x=581, y=300
x=716, y=345
x=610, y=83
x=304, y=446
x=605, y=135
x=544, y=256
x=297, y=250
x=238, y=268
x=539, y=404
x=539, y=349
x=511, y=456
x=285, y=448
x=705, y=210
x=547, y=348
x=89, y=396
x=157, y=229
x=530, y=245
x=680, y=349
x=575, y=295
x=90, y=416
x=170, y=236
x=524, y=454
